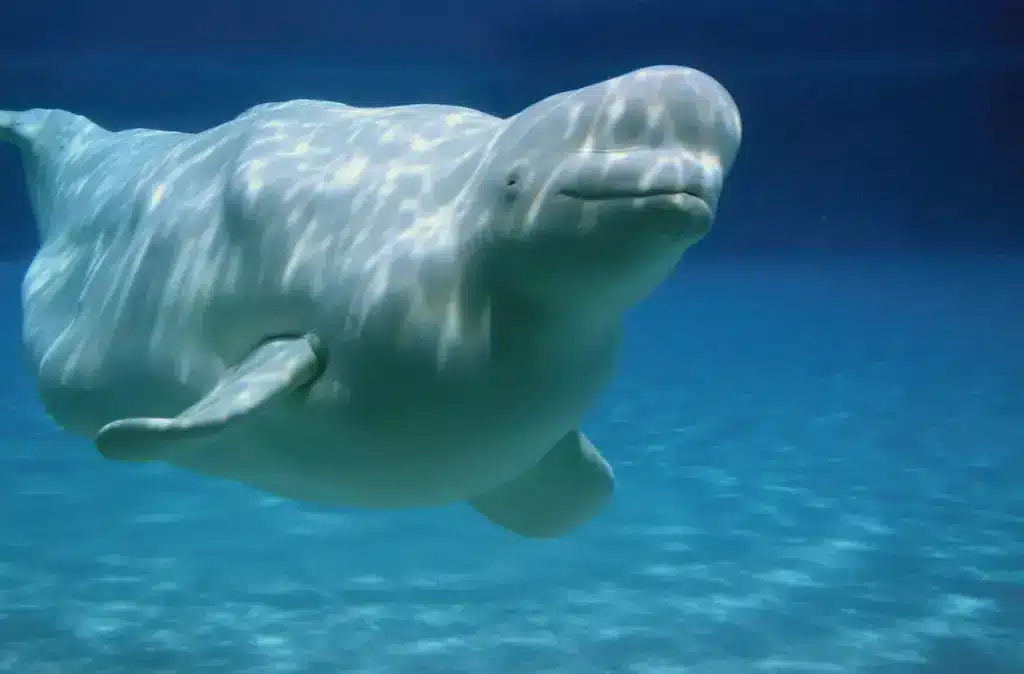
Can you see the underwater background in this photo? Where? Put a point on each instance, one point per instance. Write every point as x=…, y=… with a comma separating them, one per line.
x=817, y=425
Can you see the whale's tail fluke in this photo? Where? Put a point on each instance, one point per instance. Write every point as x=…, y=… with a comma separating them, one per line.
x=44, y=138
x=40, y=132
x=8, y=130
x=21, y=128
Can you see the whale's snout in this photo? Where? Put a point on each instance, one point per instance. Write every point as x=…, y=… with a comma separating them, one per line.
x=641, y=173
x=656, y=132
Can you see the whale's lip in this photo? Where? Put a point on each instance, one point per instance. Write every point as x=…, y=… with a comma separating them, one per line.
x=644, y=174
x=620, y=193
x=680, y=200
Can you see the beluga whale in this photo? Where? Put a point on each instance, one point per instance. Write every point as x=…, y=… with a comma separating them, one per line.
x=390, y=307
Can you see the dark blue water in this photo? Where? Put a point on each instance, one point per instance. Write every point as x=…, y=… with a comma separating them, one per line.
x=819, y=463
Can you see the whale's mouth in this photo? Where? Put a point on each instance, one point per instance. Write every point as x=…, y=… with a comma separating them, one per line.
x=613, y=193
x=664, y=199
x=655, y=174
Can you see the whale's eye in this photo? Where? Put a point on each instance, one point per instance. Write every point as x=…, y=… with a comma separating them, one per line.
x=512, y=180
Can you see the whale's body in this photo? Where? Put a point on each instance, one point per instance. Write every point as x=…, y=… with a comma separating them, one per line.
x=350, y=306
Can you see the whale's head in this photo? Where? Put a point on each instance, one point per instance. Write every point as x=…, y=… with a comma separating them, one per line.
x=596, y=193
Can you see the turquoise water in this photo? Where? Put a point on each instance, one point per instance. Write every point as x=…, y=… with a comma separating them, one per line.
x=820, y=464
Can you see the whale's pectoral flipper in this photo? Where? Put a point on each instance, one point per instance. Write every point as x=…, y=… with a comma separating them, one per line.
x=276, y=368
x=562, y=491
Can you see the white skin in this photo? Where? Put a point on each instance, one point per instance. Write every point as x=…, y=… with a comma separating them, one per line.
x=466, y=286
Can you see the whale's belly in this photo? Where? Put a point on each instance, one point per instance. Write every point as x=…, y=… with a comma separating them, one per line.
x=418, y=449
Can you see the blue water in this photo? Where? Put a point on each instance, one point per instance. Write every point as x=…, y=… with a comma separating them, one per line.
x=820, y=465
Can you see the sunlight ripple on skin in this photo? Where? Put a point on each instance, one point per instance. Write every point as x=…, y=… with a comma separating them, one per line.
x=379, y=307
